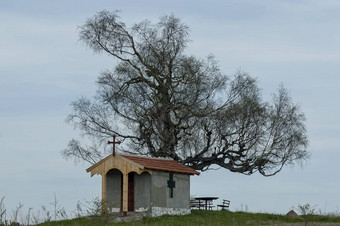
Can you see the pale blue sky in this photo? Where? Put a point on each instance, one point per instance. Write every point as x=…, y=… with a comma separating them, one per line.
x=43, y=68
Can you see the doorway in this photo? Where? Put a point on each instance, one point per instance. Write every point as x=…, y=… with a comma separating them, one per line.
x=131, y=192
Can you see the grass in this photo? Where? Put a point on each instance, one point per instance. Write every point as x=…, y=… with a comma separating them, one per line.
x=213, y=218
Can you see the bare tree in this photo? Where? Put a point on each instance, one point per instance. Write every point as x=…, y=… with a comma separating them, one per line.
x=163, y=103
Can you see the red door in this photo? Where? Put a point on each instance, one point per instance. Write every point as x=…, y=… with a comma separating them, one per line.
x=131, y=192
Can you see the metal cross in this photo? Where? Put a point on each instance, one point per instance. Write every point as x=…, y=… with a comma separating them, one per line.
x=114, y=142
x=171, y=184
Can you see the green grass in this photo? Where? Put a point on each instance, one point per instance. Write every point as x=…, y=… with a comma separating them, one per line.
x=203, y=217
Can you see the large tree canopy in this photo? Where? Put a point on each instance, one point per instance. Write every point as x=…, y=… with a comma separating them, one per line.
x=164, y=103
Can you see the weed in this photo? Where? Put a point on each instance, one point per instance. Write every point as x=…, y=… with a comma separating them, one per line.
x=59, y=212
x=2, y=212
x=15, y=213
x=306, y=212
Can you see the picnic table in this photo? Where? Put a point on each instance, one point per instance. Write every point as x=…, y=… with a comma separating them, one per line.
x=206, y=200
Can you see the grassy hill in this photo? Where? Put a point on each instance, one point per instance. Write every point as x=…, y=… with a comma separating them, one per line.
x=203, y=217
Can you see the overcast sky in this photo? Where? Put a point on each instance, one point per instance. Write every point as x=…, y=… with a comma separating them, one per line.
x=43, y=68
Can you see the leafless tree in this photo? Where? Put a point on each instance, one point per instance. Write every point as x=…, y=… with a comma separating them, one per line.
x=164, y=103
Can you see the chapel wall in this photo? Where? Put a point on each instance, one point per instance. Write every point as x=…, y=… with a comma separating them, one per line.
x=113, y=186
x=181, y=193
x=160, y=193
x=142, y=192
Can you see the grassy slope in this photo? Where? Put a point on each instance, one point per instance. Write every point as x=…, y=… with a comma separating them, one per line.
x=201, y=217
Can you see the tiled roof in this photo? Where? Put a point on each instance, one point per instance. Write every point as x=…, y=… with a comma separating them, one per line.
x=161, y=164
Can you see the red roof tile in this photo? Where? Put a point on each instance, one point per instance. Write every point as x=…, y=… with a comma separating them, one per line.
x=162, y=164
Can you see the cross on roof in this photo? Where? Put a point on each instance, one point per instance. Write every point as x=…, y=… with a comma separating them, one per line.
x=114, y=142
x=171, y=184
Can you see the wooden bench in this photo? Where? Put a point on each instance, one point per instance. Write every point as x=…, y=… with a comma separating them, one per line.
x=196, y=204
x=225, y=204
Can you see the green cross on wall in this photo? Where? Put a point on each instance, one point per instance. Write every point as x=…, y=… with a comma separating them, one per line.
x=171, y=184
